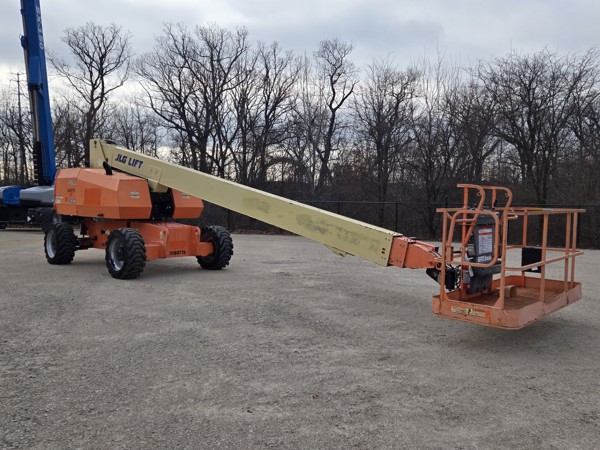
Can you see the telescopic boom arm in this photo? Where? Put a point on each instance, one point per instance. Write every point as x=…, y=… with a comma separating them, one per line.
x=341, y=234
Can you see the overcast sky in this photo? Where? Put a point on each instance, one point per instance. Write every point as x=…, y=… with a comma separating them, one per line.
x=464, y=30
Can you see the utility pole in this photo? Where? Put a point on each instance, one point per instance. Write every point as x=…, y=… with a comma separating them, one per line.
x=21, y=136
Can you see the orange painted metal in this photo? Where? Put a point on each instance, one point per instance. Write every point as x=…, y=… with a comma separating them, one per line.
x=186, y=206
x=521, y=305
x=92, y=193
x=162, y=239
x=412, y=254
x=516, y=297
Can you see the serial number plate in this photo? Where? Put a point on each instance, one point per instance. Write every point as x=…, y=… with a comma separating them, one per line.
x=468, y=311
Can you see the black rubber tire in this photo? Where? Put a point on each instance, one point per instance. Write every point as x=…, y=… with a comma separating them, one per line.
x=223, y=245
x=60, y=244
x=3, y=226
x=47, y=217
x=125, y=254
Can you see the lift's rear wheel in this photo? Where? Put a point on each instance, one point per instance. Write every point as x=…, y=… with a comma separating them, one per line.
x=220, y=238
x=60, y=243
x=125, y=253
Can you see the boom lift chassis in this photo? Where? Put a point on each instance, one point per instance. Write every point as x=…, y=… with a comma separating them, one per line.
x=126, y=204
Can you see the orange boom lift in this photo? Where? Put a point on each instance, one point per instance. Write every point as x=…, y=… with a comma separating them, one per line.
x=130, y=216
x=127, y=205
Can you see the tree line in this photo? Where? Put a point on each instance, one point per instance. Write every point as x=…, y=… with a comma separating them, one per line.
x=317, y=127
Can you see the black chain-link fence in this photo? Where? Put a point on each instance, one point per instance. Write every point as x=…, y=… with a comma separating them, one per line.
x=416, y=219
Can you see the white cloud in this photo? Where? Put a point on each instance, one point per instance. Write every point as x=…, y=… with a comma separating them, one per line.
x=463, y=29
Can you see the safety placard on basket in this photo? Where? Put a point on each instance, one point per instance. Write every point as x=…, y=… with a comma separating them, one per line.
x=468, y=311
x=486, y=240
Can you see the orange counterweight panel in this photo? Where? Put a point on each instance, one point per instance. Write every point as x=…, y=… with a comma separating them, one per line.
x=162, y=239
x=186, y=206
x=92, y=193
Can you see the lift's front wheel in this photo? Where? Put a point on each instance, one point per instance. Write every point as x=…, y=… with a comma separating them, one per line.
x=125, y=254
x=60, y=243
x=222, y=243
x=46, y=218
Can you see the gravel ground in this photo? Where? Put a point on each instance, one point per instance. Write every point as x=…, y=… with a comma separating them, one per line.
x=290, y=347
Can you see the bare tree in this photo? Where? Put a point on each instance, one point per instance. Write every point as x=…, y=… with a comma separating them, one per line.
x=434, y=160
x=221, y=52
x=584, y=158
x=317, y=125
x=136, y=128
x=173, y=92
x=69, y=132
x=471, y=114
x=186, y=77
x=535, y=97
x=261, y=105
x=337, y=77
x=15, y=142
x=383, y=112
x=307, y=124
x=235, y=120
x=101, y=64
x=9, y=142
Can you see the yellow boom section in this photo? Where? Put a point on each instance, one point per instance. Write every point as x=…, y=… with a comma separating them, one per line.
x=341, y=234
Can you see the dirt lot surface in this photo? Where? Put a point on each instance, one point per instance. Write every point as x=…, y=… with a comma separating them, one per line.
x=290, y=347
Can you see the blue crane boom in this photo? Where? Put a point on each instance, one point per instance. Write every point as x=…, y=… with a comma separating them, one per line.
x=26, y=204
x=39, y=100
